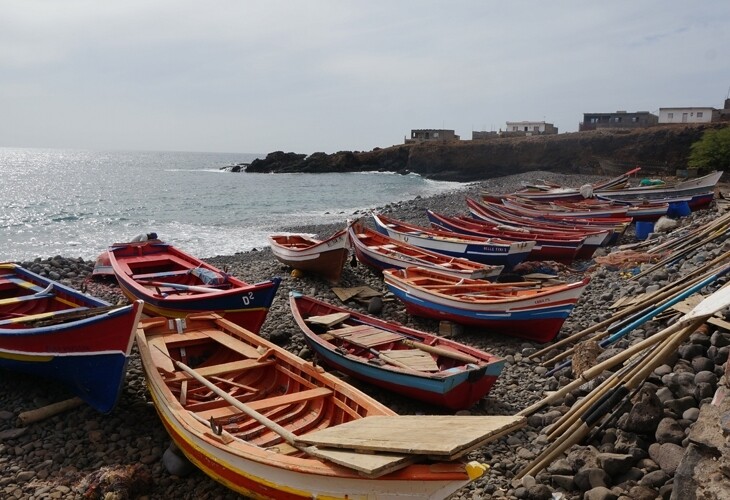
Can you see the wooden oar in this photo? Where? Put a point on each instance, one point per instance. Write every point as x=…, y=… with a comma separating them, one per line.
x=660, y=295
x=653, y=312
x=57, y=316
x=581, y=427
x=285, y=434
x=186, y=288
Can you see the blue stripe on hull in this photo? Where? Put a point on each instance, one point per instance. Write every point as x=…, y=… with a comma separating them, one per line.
x=555, y=312
x=97, y=379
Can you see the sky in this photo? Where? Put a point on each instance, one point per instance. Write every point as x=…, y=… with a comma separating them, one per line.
x=326, y=76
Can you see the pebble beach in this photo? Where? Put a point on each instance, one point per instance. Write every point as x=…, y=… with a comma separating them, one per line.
x=82, y=454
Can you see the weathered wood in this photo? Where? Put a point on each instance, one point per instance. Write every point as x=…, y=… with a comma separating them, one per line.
x=31, y=416
x=433, y=435
x=328, y=320
x=233, y=366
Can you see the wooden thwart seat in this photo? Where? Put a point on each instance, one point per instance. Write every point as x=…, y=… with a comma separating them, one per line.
x=366, y=335
x=268, y=403
x=223, y=368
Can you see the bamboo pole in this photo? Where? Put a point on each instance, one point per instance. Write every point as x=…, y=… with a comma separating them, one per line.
x=659, y=295
x=580, y=428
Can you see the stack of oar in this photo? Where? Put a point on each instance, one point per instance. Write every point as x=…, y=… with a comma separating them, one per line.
x=680, y=246
x=644, y=358
x=648, y=307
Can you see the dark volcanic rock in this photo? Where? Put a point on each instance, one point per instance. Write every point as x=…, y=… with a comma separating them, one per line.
x=467, y=161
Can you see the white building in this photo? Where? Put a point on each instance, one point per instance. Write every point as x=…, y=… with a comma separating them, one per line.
x=686, y=115
x=530, y=128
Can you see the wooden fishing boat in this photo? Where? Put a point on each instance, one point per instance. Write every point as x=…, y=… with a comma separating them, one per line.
x=239, y=407
x=515, y=309
x=554, y=210
x=324, y=258
x=616, y=225
x=553, y=192
x=644, y=210
x=594, y=236
x=697, y=192
x=382, y=252
x=491, y=251
x=54, y=331
x=174, y=284
x=416, y=364
x=558, y=247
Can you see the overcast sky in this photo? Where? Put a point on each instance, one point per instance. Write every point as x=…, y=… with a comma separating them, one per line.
x=307, y=76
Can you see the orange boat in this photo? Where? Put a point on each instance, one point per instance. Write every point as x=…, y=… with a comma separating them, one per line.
x=239, y=407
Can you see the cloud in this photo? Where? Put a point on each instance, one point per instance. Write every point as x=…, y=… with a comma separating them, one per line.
x=327, y=75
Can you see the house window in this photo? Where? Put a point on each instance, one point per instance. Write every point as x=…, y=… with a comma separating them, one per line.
x=617, y=119
x=435, y=135
x=594, y=119
x=514, y=128
x=699, y=114
x=670, y=115
x=635, y=119
x=536, y=128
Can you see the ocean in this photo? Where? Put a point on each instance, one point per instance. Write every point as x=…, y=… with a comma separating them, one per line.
x=75, y=203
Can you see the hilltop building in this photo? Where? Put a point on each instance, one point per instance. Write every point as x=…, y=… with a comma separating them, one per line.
x=431, y=135
x=619, y=119
x=529, y=128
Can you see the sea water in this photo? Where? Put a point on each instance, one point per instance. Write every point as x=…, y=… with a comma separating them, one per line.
x=76, y=203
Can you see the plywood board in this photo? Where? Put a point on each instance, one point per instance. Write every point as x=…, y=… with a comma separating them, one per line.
x=366, y=335
x=362, y=292
x=413, y=358
x=328, y=320
x=370, y=465
x=433, y=435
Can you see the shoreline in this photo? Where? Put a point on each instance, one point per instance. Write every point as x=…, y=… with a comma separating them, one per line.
x=57, y=457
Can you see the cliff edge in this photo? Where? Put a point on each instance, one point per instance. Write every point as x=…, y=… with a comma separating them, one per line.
x=658, y=150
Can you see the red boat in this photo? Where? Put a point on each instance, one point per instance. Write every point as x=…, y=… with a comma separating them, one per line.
x=596, y=234
x=562, y=248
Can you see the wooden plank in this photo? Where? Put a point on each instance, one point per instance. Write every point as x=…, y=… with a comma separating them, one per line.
x=160, y=359
x=415, y=359
x=328, y=320
x=433, y=435
x=233, y=343
x=234, y=366
x=370, y=465
x=366, y=335
x=688, y=304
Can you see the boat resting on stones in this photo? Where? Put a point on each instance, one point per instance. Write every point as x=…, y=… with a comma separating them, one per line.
x=521, y=309
x=241, y=409
x=324, y=258
x=558, y=247
x=174, y=284
x=381, y=252
x=493, y=251
x=414, y=363
x=56, y=332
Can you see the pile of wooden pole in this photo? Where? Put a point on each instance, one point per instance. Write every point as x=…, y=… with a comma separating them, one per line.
x=640, y=361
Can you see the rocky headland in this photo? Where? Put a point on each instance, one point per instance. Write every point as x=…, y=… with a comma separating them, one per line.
x=658, y=150
x=672, y=442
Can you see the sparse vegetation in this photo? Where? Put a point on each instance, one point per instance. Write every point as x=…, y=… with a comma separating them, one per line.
x=712, y=152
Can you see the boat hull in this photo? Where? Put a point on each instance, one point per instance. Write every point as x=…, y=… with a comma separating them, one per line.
x=458, y=386
x=246, y=456
x=88, y=355
x=324, y=258
x=507, y=254
x=162, y=276
x=536, y=317
x=380, y=252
